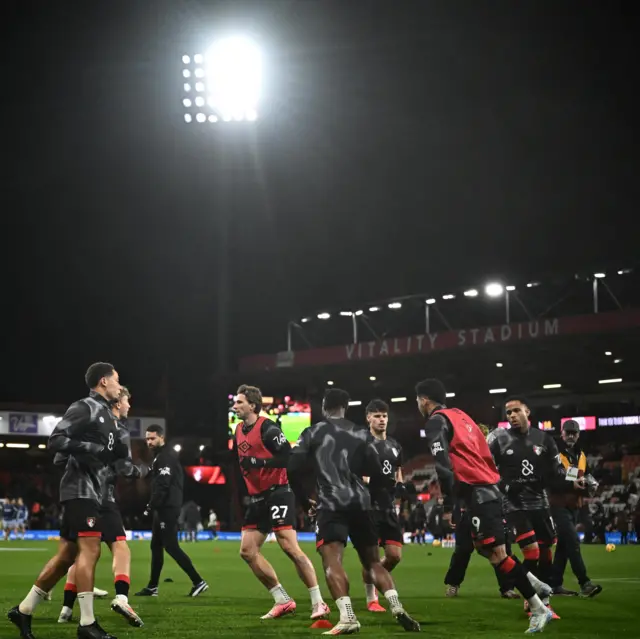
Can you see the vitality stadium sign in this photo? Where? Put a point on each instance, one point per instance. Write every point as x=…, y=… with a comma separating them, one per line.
x=464, y=338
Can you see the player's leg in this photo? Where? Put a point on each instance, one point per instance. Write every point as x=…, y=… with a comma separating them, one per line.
x=69, y=597
x=157, y=560
x=546, y=535
x=288, y=540
x=461, y=556
x=587, y=587
x=525, y=537
x=116, y=539
x=506, y=584
x=489, y=536
x=169, y=535
x=364, y=536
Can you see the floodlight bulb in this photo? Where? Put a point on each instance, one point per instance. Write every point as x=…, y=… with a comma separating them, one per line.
x=200, y=101
x=187, y=117
x=187, y=87
x=186, y=59
x=198, y=59
x=186, y=73
x=201, y=117
x=186, y=102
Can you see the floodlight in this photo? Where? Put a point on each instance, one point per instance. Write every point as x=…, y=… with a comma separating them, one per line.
x=186, y=73
x=494, y=289
x=471, y=293
x=324, y=316
x=233, y=69
x=187, y=117
x=201, y=117
x=198, y=59
x=186, y=102
x=395, y=305
x=186, y=59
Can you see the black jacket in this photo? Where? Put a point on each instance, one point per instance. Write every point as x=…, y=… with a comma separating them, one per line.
x=167, y=480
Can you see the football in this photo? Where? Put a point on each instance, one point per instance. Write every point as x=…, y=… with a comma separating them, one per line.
x=610, y=547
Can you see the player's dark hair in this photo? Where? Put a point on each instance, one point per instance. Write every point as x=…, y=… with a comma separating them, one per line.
x=253, y=395
x=156, y=428
x=377, y=406
x=96, y=372
x=432, y=389
x=517, y=398
x=335, y=398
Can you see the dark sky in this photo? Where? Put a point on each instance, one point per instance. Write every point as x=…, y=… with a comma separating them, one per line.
x=403, y=146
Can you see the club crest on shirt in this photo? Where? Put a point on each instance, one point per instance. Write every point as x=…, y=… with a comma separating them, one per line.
x=91, y=522
x=537, y=450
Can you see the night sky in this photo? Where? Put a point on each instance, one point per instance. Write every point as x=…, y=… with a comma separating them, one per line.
x=401, y=146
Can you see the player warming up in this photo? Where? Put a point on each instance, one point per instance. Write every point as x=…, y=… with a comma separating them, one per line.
x=263, y=453
x=88, y=433
x=341, y=455
x=527, y=458
x=464, y=465
x=384, y=488
x=113, y=533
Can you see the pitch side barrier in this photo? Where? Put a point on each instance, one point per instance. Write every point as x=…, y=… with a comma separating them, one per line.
x=206, y=535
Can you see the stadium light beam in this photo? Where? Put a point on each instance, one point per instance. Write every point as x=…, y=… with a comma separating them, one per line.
x=451, y=395
x=471, y=293
x=499, y=364
x=497, y=391
x=395, y=305
x=448, y=296
x=615, y=380
x=430, y=301
x=551, y=386
x=599, y=276
x=396, y=400
x=16, y=445
x=356, y=402
x=374, y=309
x=324, y=316
x=617, y=361
x=329, y=382
x=177, y=448
x=372, y=378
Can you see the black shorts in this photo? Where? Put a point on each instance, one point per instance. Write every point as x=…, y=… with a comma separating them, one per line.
x=277, y=511
x=487, y=524
x=388, y=528
x=111, y=524
x=340, y=525
x=80, y=518
x=529, y=526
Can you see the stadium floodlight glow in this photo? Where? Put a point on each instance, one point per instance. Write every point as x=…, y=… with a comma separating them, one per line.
x=198, y=58
x=449, y=296
x=346, y=313
x=186, y=59
x=234, y=77
x=616, y=380
x=471, y=293
x=499, y=364
x=617, y=361
x=16, y=445
x=510, y=288
x=358, y=313
x=42, y=446
x=395, y=305
x=201, y=447
x=372, y=378
x=624, y=271
x=188, y=118
x=608, y=353
x=451, y=395
x=329, y=382
x=356, y=402
x=533, y=284
x=177, y=448
x=1, y=444
x=430, y=301
x=497, y=391
x=186, y=102
x=550, y=386
x=494, y=289
x=599, y=276
x=304, y=320
x=374, y=309
x=187, y=87
x=324, y=316
x=395, y=400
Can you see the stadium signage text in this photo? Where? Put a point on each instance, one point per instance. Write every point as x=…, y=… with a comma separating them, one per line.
x=449, y=340
x=415, y=344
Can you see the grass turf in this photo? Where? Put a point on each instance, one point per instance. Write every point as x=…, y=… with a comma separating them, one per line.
x=235, y=601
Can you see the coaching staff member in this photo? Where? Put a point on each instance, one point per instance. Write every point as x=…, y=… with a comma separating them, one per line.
x=566, y=501
x=167, y=482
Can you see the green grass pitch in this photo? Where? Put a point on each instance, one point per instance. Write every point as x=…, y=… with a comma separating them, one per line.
x=235, y=601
